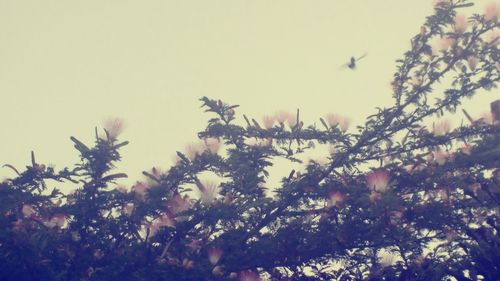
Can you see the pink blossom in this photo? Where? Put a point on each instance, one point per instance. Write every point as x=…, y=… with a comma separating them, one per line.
x=440, y=156
x=334, y=120
x=140, y=188
x=378, y=180
x=128, y=208
x=442, y=45
x=336, y=199
x=441, y=127
x=114, y=127
x=466, y=149
x=460, y=23
x=188, y=264
x=178, y=204
x=162, y=221
x=472, y=61
x=284, y=116
x=194, y=149
x=249, y=276
x=28, y=210
x=375, y=196
x=491, y=12
x=214, y=255
x=268, y=121
x=212, y=145
x=208, y=192
x=58, y=220
x=194, y=244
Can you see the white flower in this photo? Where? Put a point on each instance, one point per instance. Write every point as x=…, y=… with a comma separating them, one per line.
x=208, y=192
x=441, y=127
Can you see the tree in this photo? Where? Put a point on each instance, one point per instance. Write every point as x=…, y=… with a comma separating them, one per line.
x=393, y=201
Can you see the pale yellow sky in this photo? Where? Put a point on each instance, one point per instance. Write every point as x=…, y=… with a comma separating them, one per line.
x=65, y=66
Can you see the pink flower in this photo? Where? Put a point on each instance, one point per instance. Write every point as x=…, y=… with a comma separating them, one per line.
x=214, y=255
x=114, y=127
x=442, y=45
x=194, y=149
x=162, y=221
x=212, y=145
x=58, y=220
x=472, y=61
x=440, y=156
x=28, y=211
x=194, y=244
x=466, y=149
x=249, y=276
x=375, y=196
x=378, y=180
x=128, y=209
x=285, y=116
x=140, y=188
x=441, y=127
x=336, y=199
x=334, y=120
x=491, y=12
x=208, y=192
x=178, y=204
x=460, y=23
x=268, y=121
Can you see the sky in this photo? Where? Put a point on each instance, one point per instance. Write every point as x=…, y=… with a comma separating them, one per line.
x=67, y=66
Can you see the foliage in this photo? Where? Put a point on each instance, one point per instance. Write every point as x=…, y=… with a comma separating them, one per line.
x=393, y=200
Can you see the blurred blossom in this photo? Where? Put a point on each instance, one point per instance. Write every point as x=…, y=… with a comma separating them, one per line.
x=114, y=127
x=128, y=209
x=440, y=156
x=194, y=149
x=460, y=23
x=208, y=192
x=466, y=149
x=475, y=188
x=194, y=244
x=472, y=61
x=161, y=221
x=268, y=121
x=122, y=189
x=443, y=194
x=188, y=264
x=284, y=116
x=417, y=80
x=337, y=120
x=214, y=255
x=217, y=270
x=28, y=210
x=249, y=276
x=140, y=189
x=212, y=145
x=336, y=199
x=442, y=44
x=375, y=196
x=487, y=118
x=58, y=220
x=98, y=254
x=441, y=127
x=260, y=142
x=378, y=180
x=178, y=204
x=491, y=12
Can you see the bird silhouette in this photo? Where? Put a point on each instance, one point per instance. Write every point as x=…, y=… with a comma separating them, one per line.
x=353, y=62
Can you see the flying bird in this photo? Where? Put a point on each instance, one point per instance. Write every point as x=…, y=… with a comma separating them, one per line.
x=352, y=63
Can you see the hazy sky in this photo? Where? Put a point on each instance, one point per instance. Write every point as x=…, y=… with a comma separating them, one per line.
x=66, y=66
